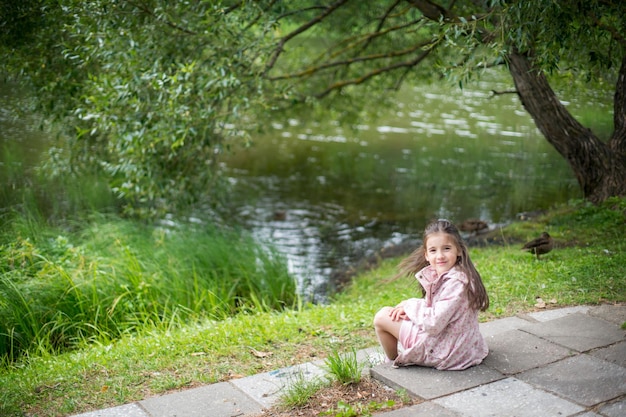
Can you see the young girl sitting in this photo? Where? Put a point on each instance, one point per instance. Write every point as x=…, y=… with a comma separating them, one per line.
x=441, y=329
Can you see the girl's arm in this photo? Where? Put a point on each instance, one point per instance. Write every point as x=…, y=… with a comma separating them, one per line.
x=398, y=313
x=433, y=319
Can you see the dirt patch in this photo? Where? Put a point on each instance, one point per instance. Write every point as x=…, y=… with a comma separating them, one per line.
x=365, y=398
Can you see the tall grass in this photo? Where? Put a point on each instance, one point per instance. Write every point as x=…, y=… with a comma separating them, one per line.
x=345, y=367
x=61, y=289
x=72, y=273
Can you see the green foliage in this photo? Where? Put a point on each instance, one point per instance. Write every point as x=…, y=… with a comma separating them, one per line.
x=588, y=263
x=208, y=351
x=111, y=277
x=149, y=94
x=576, y=36
x=19, y=20
x=298, y=392
x=344, y=409
x=391, y=43
x=345, y=368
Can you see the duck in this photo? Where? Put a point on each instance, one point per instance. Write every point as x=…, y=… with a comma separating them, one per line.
x=279, y=215
x=473, y=226
x=541, y=245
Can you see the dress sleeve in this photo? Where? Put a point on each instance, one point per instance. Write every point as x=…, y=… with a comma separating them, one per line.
x=433, y=319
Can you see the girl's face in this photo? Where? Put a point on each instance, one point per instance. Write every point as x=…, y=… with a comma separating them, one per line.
x=441, y=252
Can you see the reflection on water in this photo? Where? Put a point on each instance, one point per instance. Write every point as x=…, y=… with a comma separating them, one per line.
x=328, y=196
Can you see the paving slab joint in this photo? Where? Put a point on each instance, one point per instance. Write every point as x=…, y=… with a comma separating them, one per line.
x=526, y=317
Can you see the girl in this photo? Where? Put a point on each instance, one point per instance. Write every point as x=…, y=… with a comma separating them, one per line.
x=441, y=329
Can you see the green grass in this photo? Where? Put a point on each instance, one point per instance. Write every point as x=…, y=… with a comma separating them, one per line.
x=299, y=391
x=588, y=266
x=62, y=290
x=344, y=409
x=344, y=367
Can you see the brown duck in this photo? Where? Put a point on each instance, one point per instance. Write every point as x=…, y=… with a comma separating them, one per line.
x=473, y=226
x=542, y=245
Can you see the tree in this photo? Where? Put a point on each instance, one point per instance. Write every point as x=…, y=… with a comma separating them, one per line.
x=392, y=41
x=149, y=93
x=152, y=90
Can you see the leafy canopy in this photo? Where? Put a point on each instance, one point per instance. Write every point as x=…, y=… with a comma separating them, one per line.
x=151, y=92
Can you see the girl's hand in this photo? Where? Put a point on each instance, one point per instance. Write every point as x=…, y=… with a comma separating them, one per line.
x=397, y=313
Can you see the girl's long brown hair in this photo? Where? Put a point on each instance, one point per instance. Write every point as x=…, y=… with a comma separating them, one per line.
x=416, y=261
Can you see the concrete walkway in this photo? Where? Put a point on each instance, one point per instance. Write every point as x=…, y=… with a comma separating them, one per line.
x=563, y=362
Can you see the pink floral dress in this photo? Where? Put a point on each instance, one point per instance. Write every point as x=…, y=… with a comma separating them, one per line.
x=441, y=329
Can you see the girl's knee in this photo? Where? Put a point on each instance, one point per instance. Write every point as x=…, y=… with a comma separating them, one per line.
x=382, y=316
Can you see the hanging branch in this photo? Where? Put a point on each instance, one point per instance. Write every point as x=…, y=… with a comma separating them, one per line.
x=347, y=62
x=381, y=22
x=166, y=22
x=355, y=81
x=281, y=45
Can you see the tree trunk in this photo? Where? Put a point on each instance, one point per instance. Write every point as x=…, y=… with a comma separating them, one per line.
x=600, y=167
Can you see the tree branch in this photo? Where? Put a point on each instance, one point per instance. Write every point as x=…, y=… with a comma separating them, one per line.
x=612, y=30
x=370, y=36
x=431, y=10
x=173, y=25
x=498, y=93
x=355, y=81
x=282, y=16
x=381, y=22
x=281, y=45
x=618, y=138
x=347, y=62
x=261, y=13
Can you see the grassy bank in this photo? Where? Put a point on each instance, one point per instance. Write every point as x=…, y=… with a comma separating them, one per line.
x=100, y=278
x=588, y=266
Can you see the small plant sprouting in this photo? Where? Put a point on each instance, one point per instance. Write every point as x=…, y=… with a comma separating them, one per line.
x=404, y=396
x=344, y=409
x=300, y=390
x=345, y=367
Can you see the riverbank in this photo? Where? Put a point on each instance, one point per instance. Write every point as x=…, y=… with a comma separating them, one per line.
x=587, y=266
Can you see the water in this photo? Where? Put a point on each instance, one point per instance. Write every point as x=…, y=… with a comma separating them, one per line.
x=328, y=196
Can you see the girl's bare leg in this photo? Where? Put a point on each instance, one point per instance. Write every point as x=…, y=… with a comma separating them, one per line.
x=388, y=332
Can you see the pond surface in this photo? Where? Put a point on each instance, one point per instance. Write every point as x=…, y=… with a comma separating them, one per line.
x=328, y=197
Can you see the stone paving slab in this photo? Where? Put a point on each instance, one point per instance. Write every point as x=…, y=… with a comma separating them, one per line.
x=127, y=410
x=267, y=387
x=614, y=409
x=577, y=331
x=508, y=397
x=547, y=315
x=215, y=400
x=582, y=379
x=426, y=409
x=615, y=353
x=516, y=351
x=589, y=383
x=493, y=328
x=615, y=313
x=428, y=383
